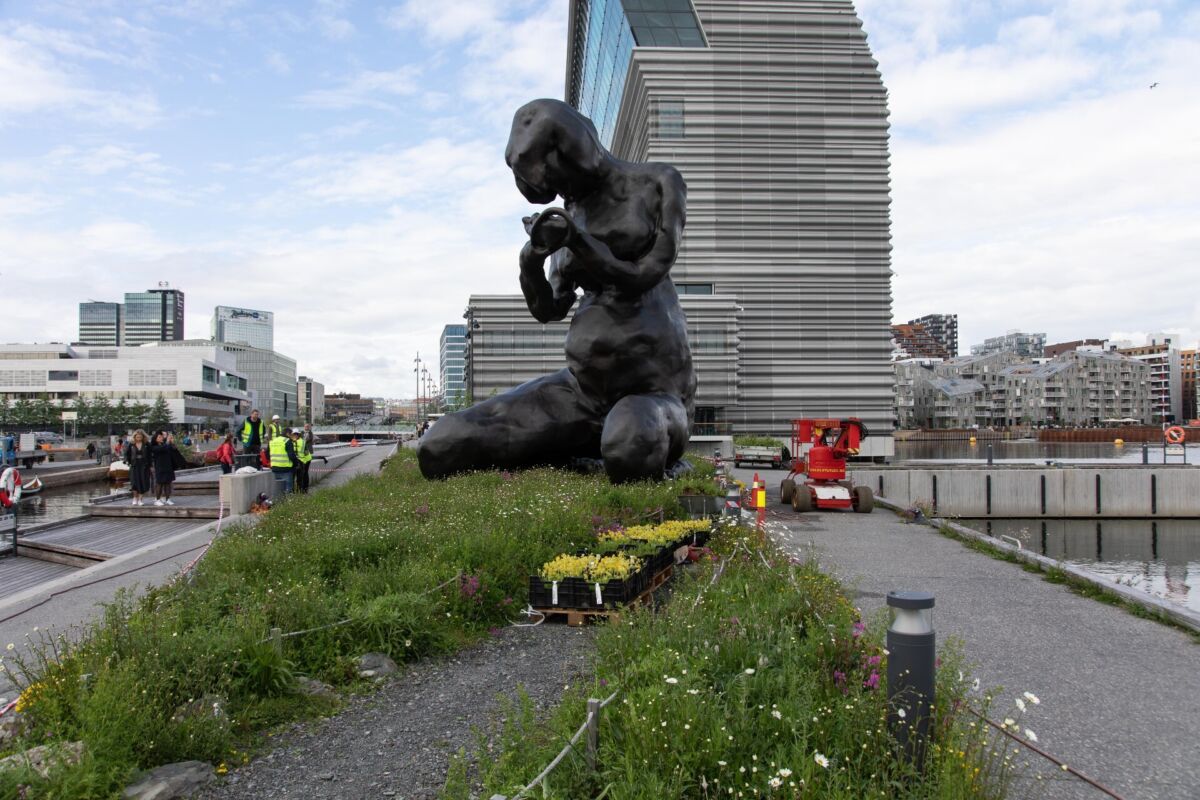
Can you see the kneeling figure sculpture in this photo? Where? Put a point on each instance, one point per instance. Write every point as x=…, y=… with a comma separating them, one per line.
x=626, y=395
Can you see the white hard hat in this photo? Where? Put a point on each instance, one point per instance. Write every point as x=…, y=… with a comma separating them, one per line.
x=275, y=417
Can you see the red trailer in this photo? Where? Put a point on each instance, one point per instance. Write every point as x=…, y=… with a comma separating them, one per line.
x=818, y=478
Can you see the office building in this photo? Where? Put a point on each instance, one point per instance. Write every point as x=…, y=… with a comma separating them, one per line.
x=775, y=114
x=155, y=315
x=244, y=326
x=310, y=399
x=943, y=328
x=100, y=324
x=201, y=386
x=913, y=341
x=1025, y=345
x=1161, y=354
x=271, y=376
x=341, y=405
x=452, y=354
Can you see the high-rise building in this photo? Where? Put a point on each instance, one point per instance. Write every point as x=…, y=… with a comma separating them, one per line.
x=244, y=326
x=453, y=362
x=155, y=315
x=100, y=324
x=1166, y=377
x=775, y=114
x=913, y=341
x=1188, y=362
x=310, y=398
x=1025, y=345
x=943, y=328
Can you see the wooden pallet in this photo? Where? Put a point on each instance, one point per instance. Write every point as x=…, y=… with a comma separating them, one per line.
x=578, y=617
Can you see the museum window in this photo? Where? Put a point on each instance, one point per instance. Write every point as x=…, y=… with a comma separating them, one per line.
x=64, y=375
x=694, y=288
x=670, y=118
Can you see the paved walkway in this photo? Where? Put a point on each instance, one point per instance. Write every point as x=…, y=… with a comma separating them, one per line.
x=78, y=597
x=1120, y=695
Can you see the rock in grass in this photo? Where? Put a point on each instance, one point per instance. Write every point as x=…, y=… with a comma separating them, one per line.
x=315, y=688
x=375, y=666
x=11, y=725
x=170, y=781
x=42, y=759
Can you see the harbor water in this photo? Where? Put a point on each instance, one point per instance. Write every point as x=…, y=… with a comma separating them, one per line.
x=52, y=505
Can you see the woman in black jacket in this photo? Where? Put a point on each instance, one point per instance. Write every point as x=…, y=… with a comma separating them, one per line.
x=165, y=456
x=137, y=456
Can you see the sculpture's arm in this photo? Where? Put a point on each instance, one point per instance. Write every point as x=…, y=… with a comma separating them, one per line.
x=548, y=300
x=643, y=273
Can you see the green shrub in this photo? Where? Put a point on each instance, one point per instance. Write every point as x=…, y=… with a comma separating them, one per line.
x=757, y=441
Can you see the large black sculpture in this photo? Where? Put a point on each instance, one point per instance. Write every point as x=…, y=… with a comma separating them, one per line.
x=626, y=395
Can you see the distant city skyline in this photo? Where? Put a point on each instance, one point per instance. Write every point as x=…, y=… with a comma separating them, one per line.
x=341, y=164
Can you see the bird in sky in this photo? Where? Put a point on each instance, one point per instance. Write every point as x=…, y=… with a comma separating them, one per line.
x=1154, y=84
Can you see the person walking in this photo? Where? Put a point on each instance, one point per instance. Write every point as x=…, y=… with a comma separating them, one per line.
x=254, y=434
x=137, y=456
x=165, y=457
x=91, y=451
x=225, y=454
x=283, y=461
x=304, y=454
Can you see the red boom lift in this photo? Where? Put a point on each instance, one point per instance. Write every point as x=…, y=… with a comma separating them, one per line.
x=818, y=480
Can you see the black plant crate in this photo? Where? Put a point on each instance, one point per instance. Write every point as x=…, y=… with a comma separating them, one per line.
x=580, y=594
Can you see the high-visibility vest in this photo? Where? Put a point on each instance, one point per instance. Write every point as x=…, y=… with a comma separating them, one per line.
x=304, y=450
x=275, y=430
x=248, y=431
x=279, y=454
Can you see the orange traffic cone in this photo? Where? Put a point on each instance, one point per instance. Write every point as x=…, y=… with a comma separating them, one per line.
x=354, y=442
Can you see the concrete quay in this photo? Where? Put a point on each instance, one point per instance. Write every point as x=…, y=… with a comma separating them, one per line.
x=1162, y=491
x=1118, y=693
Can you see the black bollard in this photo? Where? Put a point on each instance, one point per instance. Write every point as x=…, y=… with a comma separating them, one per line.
x=1145, y=453
x=989, y=455
x=911, y=645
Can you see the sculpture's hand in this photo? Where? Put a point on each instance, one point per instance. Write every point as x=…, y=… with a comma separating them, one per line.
x=549, y=230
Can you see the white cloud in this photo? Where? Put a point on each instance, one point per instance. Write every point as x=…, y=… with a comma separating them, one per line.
x=278, y=63
x=31, y=80
x=370, y=88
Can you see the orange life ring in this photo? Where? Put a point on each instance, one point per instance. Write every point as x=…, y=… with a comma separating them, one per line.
x=1174, y=435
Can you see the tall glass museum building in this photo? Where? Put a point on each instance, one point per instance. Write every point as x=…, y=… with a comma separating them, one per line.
x=775, y=113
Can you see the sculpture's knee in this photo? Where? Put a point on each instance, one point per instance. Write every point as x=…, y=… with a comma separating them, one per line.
x=636, y=440
x=445, y=448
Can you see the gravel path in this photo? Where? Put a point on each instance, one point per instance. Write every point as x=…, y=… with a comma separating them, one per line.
x=397, y=743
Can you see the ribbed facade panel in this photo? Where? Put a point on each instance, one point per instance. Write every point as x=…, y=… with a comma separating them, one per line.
x=507, y=347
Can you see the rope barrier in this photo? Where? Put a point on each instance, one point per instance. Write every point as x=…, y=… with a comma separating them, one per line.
x=1060, y=764
x=574, y=740
x=348, y=620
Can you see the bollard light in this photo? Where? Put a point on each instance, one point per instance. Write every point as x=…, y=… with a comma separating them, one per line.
x=989, y=455
x=912, y=654
x=1145, y=453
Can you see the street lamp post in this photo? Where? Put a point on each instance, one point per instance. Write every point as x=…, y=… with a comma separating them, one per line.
x=417, y=400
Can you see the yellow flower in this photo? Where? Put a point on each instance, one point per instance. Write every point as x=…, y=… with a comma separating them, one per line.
x=29, y=696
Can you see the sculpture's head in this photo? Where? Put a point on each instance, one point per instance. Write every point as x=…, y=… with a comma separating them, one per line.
x=552, y=150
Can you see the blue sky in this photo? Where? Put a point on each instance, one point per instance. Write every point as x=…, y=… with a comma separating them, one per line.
x=341, y=164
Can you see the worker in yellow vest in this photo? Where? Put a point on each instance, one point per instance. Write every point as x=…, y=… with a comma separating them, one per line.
x=275, y=428
x=283, y=462
x=304, y=454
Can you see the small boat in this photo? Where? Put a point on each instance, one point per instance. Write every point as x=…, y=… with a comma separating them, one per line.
x=31, y=486
x=118, y=470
